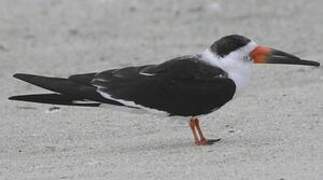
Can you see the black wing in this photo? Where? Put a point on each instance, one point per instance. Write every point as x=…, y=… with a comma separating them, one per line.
x=183, y=86
x=69, y=91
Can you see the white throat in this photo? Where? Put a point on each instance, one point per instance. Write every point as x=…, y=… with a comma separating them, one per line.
x=236, y=64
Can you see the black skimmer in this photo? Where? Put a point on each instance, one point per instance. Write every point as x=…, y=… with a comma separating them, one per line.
x=184, y=86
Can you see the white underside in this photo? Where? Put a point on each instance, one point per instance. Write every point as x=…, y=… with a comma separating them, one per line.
x=136, y=107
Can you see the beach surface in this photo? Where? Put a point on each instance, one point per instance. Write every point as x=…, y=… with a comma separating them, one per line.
x=273, y=130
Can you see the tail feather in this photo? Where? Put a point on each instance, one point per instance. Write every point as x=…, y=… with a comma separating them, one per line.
x=57, y=99
x=60, y=85
x=77, y=87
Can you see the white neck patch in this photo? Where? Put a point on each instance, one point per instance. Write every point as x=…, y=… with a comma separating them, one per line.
x=236, y=64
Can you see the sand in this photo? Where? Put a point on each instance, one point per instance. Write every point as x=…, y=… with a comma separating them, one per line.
x=274, y=130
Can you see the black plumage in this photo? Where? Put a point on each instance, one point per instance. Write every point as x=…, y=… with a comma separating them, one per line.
x=182, y=86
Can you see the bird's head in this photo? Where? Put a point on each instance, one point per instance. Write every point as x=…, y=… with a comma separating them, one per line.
x=240, y=48
x=235, y=54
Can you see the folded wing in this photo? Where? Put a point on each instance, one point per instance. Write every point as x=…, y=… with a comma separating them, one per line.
x=182, y=86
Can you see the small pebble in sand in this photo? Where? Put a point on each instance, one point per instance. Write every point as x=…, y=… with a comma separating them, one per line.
x=53, y=109
x=231, y=131
x=3, y=48
x=73, y=32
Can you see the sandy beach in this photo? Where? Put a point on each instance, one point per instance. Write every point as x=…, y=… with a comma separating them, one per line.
x=273, y=130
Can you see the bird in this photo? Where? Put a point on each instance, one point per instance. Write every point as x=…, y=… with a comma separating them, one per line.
x=188, y=86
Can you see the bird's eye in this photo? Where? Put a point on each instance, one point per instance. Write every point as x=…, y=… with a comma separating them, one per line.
x=246, y=58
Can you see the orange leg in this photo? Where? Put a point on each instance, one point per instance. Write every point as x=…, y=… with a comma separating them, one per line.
x=203, y=140
x=199, y=137
x=192, y=125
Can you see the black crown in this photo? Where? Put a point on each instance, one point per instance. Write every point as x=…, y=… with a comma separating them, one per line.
x=227, y=44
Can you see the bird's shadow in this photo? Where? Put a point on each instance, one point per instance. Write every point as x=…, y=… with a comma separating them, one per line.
x=188, y=145
x=169, y=146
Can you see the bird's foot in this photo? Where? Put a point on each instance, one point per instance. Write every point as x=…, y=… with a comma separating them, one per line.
x=207, y=141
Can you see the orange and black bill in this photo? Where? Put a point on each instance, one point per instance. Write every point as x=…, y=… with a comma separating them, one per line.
x=263, y=54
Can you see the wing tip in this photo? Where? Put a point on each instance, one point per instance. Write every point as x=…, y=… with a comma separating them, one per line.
x=22, y=76
x=12, y=98
x=54, y=99
x=17, y=75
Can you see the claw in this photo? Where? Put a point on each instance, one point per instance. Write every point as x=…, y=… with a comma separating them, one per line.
x=207, y=141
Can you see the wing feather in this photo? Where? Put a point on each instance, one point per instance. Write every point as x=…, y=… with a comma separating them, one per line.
x=182, y=86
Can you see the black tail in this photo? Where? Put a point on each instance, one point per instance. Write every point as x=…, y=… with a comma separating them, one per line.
x=75, y=88
x=57, y=99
